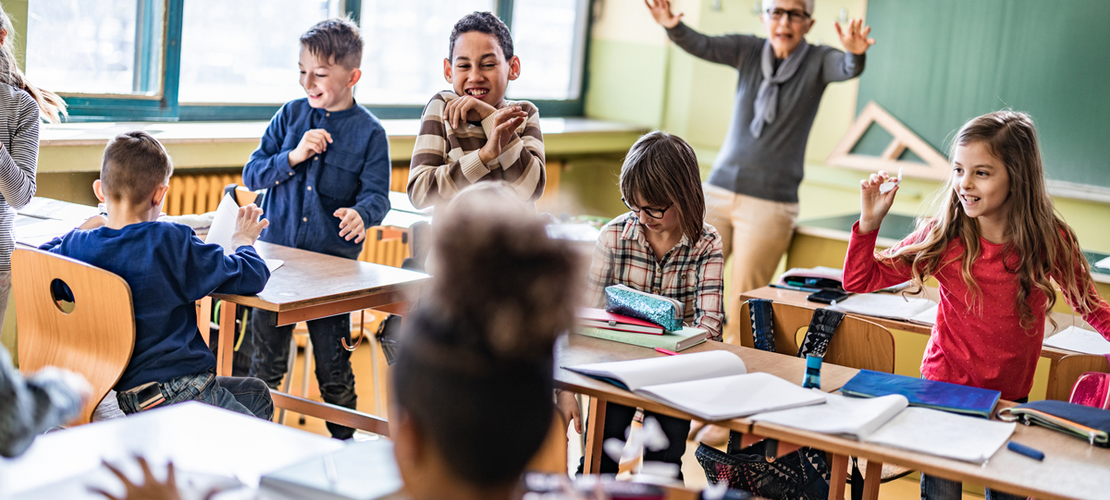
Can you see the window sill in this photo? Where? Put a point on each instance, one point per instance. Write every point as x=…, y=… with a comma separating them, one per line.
x=77, y=147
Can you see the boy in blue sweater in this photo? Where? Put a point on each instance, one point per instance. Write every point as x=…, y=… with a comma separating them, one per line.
x=324, y=162
x=168, y=269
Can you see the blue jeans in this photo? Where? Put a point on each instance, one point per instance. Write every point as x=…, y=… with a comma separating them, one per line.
x=241, y=394
x=333, y=362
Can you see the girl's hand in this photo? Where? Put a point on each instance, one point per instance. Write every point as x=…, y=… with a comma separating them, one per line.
x=873, y=204
x=661, y=11
x=855, y=40
x=567, y=405
x=505, y=121
x=466, y=108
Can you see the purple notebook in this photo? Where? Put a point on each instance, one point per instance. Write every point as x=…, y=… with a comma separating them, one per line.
x=944, y=396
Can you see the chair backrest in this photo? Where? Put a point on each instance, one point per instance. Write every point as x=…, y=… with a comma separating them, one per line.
x=95, y=338
x=1068, y=369
x=857, y=343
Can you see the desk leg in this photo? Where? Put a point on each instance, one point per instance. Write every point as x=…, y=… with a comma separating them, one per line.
x=595, y=436
x=226, y=350
x=839, y=472
x=874, y=476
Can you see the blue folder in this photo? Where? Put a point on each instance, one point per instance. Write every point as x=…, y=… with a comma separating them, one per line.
x=944, y=396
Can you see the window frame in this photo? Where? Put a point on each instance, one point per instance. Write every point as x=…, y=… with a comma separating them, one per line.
x=163, y=104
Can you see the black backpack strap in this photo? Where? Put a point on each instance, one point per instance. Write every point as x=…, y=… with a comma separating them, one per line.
x=763, y=333
x=820, y=333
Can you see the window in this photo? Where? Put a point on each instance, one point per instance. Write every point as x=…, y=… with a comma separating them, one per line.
x=218, y=60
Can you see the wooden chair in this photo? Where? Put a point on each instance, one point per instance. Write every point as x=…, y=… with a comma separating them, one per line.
x=858, y=343
x=1064, y=373
x=95, y=338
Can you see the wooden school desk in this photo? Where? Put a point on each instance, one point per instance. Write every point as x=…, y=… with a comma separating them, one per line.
x=197, y=437
x=311, y=285
x=1071, y=469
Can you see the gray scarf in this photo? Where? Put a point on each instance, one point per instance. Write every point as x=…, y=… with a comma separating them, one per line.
x=767, y=100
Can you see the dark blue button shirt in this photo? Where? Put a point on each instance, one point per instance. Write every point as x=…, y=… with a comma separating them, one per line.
x=168, y=269
x=300, y=201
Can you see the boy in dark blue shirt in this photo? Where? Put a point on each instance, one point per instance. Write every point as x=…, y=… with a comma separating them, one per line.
x=324, y=162
x=168, y=269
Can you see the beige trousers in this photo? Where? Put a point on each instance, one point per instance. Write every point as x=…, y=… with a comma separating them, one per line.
x=757, y=232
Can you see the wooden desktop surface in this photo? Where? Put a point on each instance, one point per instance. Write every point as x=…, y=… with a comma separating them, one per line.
x=308, y=279
x=197, y=437
x=797, y=298
x=1072, y=468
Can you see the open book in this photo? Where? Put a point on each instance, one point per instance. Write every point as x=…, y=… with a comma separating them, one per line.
x=1078, y=339
x=916, y=309
x=889, y=421
x=712, y=385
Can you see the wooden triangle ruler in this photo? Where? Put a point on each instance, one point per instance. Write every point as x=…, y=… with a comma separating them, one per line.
x=935, y=166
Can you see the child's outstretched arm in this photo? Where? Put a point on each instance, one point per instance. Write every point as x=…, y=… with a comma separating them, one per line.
x=863, y=272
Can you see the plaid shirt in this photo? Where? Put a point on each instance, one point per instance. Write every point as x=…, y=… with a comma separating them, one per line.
x=690, y=273
x=445, y=160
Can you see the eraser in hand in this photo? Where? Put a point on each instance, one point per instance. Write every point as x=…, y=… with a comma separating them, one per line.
x=888, y=186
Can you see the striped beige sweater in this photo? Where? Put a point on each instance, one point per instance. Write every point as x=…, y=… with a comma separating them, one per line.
x=445, y=160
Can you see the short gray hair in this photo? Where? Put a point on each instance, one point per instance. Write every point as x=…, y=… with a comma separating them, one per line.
x=770, y=4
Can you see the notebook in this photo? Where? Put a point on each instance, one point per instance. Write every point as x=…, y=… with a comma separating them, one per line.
x=711, y=385
x=683, y=339
x=888, y=306
x=1078, y=339
x=944, y=396
x=888, y=420
x=360, y=471
x=600, y=318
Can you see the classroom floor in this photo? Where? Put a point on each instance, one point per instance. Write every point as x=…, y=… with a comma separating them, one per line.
x=367, y=386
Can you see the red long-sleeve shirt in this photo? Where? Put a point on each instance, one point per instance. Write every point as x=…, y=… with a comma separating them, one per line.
x=977, y=340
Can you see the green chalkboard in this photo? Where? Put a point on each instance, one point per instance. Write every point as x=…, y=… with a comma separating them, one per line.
x=939, y=63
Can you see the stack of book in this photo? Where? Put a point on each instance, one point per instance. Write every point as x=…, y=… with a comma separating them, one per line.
x=598, y=323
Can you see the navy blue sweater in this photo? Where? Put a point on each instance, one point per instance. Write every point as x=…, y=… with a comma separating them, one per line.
x=168, y=269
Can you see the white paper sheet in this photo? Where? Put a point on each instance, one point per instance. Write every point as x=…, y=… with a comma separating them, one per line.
x=34, y=231
x=223, y=224
x=1080, y=340
x=926, y=317
x=884, y=306
x=638, y=373
x=854, y=417
x=960, y=437
x=733, y=396
x=1104, y=263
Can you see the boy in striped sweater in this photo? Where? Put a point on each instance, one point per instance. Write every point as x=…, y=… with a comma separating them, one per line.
x=471, y=133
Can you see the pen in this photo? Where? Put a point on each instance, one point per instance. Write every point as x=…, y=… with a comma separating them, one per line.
x=795, y=288
x=668, y=352
x=1021, y=449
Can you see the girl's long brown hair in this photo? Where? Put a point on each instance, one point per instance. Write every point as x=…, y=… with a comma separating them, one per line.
x=1039, y=242
x=53, y=108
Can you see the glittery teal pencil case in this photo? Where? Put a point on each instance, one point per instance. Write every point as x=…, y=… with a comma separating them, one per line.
x=663, y=311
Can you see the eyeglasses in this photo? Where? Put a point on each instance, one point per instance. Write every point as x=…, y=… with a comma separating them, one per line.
x=795, y=16
x=654, y=213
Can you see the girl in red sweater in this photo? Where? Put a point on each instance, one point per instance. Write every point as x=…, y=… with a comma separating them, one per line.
x=995, y=245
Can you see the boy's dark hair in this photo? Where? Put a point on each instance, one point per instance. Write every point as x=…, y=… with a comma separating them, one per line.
x=483, y=22
x=335, y=41
x=474, y=370
x=134, y=165
x=661, y=170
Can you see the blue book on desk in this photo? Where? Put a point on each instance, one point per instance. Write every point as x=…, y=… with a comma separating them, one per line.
x=944, y=396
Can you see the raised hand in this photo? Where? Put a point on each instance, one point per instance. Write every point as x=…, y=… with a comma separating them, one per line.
x=504, y=123
x=313, y=142
x=351, y=224
x=466, y=108
x=855, y=39
x=661, y=11
x=248, y=226
x=873, y=204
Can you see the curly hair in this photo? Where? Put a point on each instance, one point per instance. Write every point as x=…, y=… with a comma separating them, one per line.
x=483, y=22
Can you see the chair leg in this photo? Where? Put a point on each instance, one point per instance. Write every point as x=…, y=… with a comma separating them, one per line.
x=304, y=375
x=288, y=380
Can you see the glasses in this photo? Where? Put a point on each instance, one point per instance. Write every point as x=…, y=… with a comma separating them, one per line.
x=795, y=16
x=654, y=213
